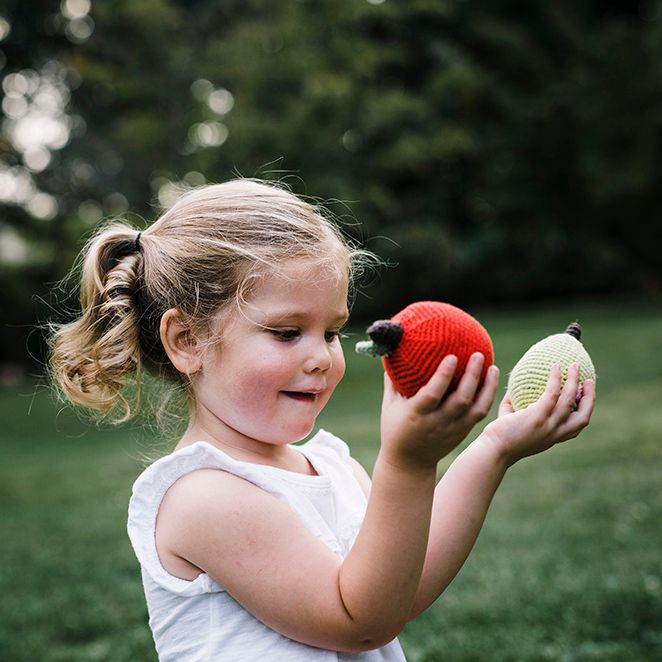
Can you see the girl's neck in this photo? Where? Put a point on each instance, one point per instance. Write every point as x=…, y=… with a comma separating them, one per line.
x=243, y=449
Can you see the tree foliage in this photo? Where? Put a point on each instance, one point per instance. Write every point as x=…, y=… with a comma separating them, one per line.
x=498, y=152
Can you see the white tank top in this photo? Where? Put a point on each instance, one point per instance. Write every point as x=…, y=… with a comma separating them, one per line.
x=196, y=621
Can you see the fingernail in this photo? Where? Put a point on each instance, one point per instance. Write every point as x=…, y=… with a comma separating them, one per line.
x=451, y=359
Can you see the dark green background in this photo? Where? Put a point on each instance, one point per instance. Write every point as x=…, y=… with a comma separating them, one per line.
x=502, y=155
x=499, y=152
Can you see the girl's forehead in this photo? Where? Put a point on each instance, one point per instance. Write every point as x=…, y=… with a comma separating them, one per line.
x=304, y=275
x=296, y=286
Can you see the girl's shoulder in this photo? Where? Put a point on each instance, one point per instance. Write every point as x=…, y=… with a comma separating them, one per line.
x=327, y=445
x=158, y=476
x=145, y=509
x=199, y=489
x=195, y=486
x=324, y=450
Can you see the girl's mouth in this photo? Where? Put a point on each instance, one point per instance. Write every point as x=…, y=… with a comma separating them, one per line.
x=301, y=396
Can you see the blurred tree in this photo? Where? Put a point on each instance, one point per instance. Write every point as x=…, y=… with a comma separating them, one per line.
x=504, y=150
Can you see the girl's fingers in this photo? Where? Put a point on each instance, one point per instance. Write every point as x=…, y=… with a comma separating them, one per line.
x=588, y=397
x=389, y=390
x=430, y=395
x=485, y=396
x=574, y=422
x=552, y=392
x=568, y=397
x=567, y=400
x=586, y=404
x=466, y=390
x=506, y=406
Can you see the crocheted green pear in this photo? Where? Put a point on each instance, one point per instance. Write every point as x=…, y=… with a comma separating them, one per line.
x=529, y=377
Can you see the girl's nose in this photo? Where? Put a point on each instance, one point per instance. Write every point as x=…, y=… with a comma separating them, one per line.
x=318, y=358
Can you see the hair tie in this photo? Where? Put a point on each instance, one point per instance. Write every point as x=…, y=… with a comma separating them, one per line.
x=137, y=246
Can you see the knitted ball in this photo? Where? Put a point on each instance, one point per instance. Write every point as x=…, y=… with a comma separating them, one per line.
x=529, y=377
x=414, y=342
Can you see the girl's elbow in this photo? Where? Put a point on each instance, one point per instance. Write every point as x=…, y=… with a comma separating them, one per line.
x=357, y=638
x=377, y=638
x=364, y=645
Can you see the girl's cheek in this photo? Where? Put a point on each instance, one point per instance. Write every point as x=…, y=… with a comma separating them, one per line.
x=339, y=363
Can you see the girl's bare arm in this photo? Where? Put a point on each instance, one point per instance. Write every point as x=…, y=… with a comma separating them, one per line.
x=258, y=549
x=465, y=492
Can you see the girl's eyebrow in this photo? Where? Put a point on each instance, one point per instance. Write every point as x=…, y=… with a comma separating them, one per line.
x=297, y=315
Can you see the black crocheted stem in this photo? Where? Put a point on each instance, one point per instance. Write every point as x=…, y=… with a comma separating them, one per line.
x=575, y=330
x=386, y=333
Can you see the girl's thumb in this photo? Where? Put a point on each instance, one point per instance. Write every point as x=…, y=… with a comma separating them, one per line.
x=505, y=407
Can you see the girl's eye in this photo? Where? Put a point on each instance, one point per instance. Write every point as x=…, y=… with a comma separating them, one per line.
x=286, y=334
x=292, y=334
x=330, y=336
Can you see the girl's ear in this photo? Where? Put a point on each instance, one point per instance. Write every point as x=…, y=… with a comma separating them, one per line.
x=179, y=343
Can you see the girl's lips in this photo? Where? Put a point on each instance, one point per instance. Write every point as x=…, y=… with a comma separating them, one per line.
x=302, y=396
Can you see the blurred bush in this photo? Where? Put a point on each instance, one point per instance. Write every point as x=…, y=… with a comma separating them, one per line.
x=499, y=151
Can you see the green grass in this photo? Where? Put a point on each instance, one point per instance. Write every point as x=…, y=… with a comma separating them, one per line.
x=568, y=565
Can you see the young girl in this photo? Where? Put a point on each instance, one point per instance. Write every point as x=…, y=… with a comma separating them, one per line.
x=252, y=548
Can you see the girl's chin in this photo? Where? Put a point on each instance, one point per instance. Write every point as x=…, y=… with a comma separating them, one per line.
x=287, y=434
x=301, y=434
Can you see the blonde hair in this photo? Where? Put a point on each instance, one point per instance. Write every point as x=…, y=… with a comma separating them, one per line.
x=199, y=257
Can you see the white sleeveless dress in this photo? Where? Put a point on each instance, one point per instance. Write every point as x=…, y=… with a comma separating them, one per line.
x=198, y=620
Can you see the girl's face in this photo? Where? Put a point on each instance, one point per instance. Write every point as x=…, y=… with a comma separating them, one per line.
x=279, y=359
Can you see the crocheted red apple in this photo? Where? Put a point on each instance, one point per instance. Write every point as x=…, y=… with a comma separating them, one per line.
x=413, y=343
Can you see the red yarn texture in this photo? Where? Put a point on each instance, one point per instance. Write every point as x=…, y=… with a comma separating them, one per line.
x=432, y=330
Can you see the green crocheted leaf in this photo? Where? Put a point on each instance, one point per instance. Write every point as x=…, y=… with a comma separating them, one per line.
x=371, y=348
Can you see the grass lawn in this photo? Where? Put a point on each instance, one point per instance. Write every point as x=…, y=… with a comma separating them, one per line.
x=568, y=565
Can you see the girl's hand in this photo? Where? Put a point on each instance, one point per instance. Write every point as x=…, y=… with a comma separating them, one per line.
x=417, y=432
x=554, y=418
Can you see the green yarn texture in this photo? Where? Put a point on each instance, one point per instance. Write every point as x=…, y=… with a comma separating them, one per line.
x=529, y=377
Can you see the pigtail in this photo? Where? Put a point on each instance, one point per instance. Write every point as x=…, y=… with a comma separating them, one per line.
x=96, y=360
